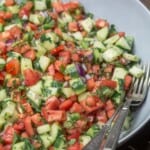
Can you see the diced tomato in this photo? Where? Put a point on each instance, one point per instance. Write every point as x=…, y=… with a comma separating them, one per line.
x=121, y=34
x=75, y=57
x=8, y=15
x=36, y=119
x=24, y=135
x=91, y=84
x=13, y=82
x=23, y=12
x=15, y=32
x=51, y=70
x=58, y=6
x=31, y=77
x=19, y=126
x=32, y=26
x=100, y=23
x=58, y=31
x=73, y=26
x=75, y=134
x=109, y=68
x=28, y=5
x=58, y=65
x=30, y=54
x=13, y=67
x=58, y=76
x=76, y=108
x=6, y=35
x=75, y=146
x=2, y=13
x=74, y=98
x=3, y=48
x=57, y=50
x=65, y=105
x=109, y=83
x=71, y=5
x=65, y=57
x=54, y=115
x=2, y=21
x=109, y=105
x=1, y=147
x=96, y=69
x=7, y=147
x=101, y=116
x=128, y=81
x=8, y=135
x=52, y=103
x=110, y=113
x=9, y=2
x=28, y=126
x=28, y=108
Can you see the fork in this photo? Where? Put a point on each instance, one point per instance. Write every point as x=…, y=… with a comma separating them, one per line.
x=135, y=97
x=110, y=143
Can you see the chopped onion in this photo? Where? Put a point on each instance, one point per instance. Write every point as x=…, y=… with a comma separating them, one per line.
x=80, y=70
x=87, y=76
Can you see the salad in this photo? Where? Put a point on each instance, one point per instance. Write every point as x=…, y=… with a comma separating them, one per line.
x=62, y=74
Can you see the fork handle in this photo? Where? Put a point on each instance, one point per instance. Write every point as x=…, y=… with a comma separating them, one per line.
x=112, y=139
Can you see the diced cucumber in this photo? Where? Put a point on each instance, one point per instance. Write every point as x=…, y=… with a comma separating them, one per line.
x=78, y=85
x=40, y=49
x=19, y=146
x=130, y=40
x=2, y=122
x=131, y=57
x=60, y=143
x=102, y=33
x=120, y=85
x=93, y=130
x=119, y=73
x=122, y=42
x=13, y=9
x=55, y=128
x=78, y=36
x=40, y=4
x=72, y=70
x=66, y=17
x=83, y=96
x=37, y=88
x=1, y=27
x=54, y=38
x=12, y=55
x=3, y=94
x=44, y=61
x=67, y=37
x=85, y=139
x=118, y=97
x=127, y=122
x=36, y=19
x=98, y=56
x=2, y=63
x=26, y=64
x=51, y=91
x=99, y=45
x=111, y=54
x=136, y=71
x=49, y=45
x=43, y=129
x=8, y=27
x=68, y=92
x=46, y=140
x=112, y=39
x=87, y=24
x=47, y=81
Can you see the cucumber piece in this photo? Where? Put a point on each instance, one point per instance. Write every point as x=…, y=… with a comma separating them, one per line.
x=13, y=9
x=102, y=34
x=19, y=146
x=2, y=122
x=87, y=24
x=47, y=81
x=122, y=42
x=136, y=71
x=46, y=140
x=8, y=27
x=49, y=45
x=2, y=63
x=36, y=19
x=112, y=40
x=119, y=73
x=43, y=129
x=37, y=88
x=3, y=94
x=40, y=5
x=130, y=40
x=68, y=92
x=67, y=37
x=55, y=129
x=72, y=71
x=98, y=56
x=44, y=62
x=84, y=139
x=118, y=97
x=1, y=27
x=131, y=57
x=66, y=17
x=93, y=130
x=83, y=96
x=51, y=91
x=26, y=64
x=53, y=37
x=111, y=54
x=78, y=85
x=78, y=36
x=12, y=55
x=99, y=45
x=40, y=49
x=60, y=143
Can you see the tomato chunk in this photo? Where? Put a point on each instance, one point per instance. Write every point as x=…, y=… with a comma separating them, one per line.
x=31, y=77
x=13, y=67
x=57, y=50
x=66, y=104
x=28, y=126
x=128, y=81
x=9, y=2
x=30, y=54
x=109, y=83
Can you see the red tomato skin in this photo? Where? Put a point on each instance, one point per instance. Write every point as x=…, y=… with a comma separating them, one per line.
x=31, y=77
x=9, y=2
x=66, y=105
x=58, y=76
x=30, y=54
x=128, y=81
x=58, y=49
x=109, y=83
x=76, y=108
x=28, y=126
x=109, y=105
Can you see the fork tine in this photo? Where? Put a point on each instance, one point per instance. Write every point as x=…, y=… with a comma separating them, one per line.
x=142, y=80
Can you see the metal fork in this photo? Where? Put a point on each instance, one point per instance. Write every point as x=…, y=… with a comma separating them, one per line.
x=135, y=97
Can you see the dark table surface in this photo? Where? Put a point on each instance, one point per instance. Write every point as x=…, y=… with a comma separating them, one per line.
x=140, y=141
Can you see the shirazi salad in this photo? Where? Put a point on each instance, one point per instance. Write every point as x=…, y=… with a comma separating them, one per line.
x=62, y=74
